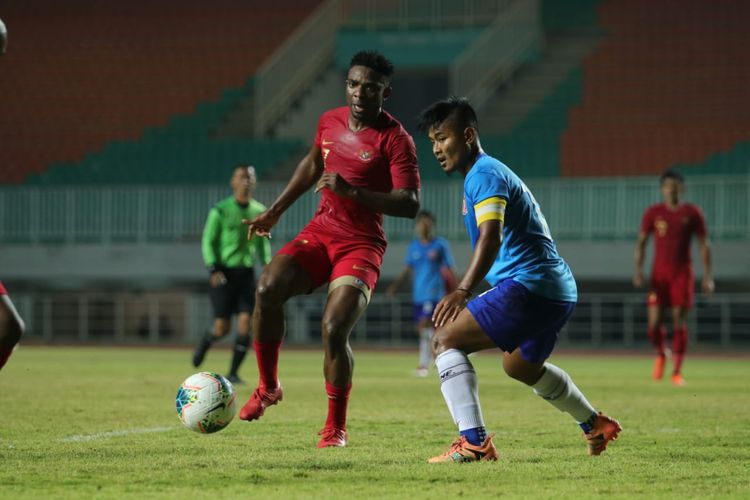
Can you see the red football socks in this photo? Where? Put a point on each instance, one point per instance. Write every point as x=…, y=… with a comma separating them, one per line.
x=338, y=401
x=656, y=336
x=679, y=346
x=267, y=356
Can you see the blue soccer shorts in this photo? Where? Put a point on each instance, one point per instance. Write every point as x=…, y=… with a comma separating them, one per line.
x=514, y=317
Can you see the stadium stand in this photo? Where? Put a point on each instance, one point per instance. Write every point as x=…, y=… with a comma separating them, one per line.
x=663, y=91
x=142, y=66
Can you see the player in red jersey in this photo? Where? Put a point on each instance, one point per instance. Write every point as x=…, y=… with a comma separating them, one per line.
x=673, y=224
x=364, y=165
x=11, y=326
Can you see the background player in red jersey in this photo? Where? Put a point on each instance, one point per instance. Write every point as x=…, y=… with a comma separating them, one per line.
x=11, y=326
x=673, y=224
x=364, y=165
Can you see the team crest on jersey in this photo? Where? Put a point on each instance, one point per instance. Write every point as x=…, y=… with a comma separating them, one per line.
x=661, y=227
x=364, y=154
x=464, y=210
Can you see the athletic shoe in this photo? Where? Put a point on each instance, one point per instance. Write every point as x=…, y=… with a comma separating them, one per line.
x=259, y=401
x=605, y=430
x=235, y=380
x=658, y=372
x=330, y=437
x=463, y=451
x=422, y=372
x=201, y=349
x=678, y=380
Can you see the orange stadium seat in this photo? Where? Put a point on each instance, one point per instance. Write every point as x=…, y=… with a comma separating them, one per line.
x=668, y=86
x=80, y=74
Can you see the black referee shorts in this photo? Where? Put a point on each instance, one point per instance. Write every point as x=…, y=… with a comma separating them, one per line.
x=237, y=295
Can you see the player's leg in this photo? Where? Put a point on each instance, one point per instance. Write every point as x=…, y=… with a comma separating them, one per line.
x=656, y=331
x=425, y=330
x=283, y=278
x=347, y=299
x=679, y=342
x=221, y=303
x=682, y=292
x=245, y=306
x=11, y=327
x=241, y=345
x=453, y=343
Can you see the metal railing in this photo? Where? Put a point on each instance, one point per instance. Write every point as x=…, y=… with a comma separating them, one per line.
x=306, y=54
x=295, y=65
x=432, y=14
x=600, y=320
x=577, y=210
x=514, y=35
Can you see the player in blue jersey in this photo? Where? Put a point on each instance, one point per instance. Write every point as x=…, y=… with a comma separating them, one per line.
x=430, y=260
x=532, y=296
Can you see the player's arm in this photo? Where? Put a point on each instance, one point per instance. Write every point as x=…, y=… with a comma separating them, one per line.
x=707, y=284
x=393, y=287
x=307, y=173
x=485, y=252
x=640, y=253
x=210, y=248
x=398, y=203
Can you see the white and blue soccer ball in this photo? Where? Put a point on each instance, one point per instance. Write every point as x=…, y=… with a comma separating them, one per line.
x=205, y=402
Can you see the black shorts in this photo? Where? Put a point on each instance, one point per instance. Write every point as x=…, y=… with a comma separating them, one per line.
x=237, y=295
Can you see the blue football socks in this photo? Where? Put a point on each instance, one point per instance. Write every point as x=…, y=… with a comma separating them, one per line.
x=588, y=425
x=475, y=436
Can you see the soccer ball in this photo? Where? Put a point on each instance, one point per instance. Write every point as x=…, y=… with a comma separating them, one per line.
x=205, y=402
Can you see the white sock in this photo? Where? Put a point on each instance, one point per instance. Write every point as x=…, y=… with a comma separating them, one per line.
x=558, y=389
x=425, y=352
x=458, y=383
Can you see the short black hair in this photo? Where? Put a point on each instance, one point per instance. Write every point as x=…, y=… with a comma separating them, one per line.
x=374, y=60
x=426, y=213
x=671, y=174
x=454, y=107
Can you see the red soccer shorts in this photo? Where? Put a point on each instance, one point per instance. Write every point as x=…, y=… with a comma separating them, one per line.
x=326, y=257
x=672, y=289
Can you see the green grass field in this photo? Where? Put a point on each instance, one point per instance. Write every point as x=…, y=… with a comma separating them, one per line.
x=101, y=423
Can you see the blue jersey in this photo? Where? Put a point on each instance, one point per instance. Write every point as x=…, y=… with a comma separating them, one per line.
x=426, y=260
x=528, y=254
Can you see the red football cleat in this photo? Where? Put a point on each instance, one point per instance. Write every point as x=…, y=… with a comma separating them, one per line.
x=330, y=437
x=261, y=399
x=605, y=430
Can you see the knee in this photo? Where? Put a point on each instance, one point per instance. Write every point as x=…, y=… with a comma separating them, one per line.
x=335, y=332
x=441, y=342
x=269, y=292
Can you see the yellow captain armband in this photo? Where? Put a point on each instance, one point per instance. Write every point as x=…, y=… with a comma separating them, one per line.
x=490, y=209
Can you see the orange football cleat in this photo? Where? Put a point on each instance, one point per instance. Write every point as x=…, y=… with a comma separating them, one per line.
x=463, y=451
x=678, y=380
x=605, y=430
x=260, y=400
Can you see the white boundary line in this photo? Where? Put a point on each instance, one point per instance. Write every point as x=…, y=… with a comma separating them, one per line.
x=80, y=438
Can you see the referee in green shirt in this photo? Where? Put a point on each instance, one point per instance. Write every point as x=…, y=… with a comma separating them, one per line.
x=229, y=257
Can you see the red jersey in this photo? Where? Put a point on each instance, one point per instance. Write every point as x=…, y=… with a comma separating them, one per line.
x=3, y=291
x=673, y=230
x=379, y=158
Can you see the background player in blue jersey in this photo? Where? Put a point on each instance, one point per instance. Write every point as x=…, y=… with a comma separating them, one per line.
x=430, y=260
x=532, y=296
